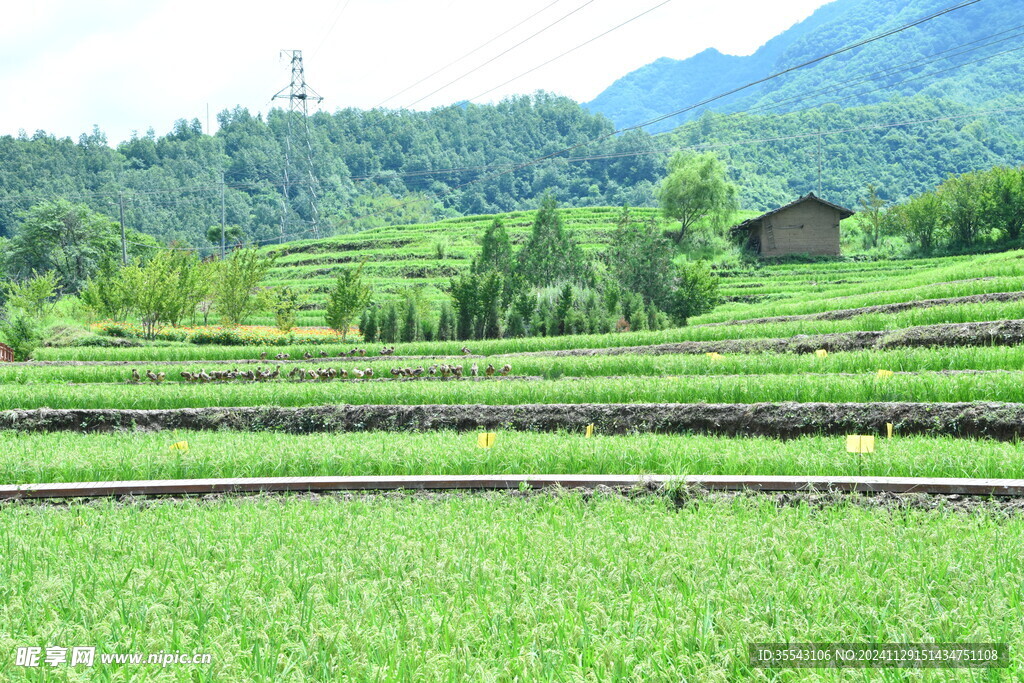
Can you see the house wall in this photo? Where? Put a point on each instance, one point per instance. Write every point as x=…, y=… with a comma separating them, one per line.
x=807, y=228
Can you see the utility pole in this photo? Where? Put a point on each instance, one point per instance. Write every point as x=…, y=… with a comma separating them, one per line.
x=124, y=242
x=299, y=94
x=223, y=229
x=819, y=163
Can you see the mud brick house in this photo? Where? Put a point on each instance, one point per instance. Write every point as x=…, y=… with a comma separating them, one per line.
x=6, y=354
x=810, y=225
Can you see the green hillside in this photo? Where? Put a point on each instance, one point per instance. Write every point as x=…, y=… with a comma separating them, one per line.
x=967, y=56
x=903, y=147
x=424, y=255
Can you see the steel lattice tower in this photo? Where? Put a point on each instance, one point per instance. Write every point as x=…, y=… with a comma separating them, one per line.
x=299, y=95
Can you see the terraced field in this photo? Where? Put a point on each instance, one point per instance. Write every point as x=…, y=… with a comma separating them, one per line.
x=668, y=584
x=427, y=255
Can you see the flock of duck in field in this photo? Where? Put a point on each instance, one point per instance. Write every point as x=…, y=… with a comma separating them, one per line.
x=443, y=370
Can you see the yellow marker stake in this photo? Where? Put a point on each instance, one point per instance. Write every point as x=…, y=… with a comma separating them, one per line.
x=888, y=429
x=821, y=353
x=885, y=374
x=485, y=439
x=590, y=430
x=857, y=443
x=180, y=446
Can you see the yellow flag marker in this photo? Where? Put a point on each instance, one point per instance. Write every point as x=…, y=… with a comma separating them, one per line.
x=715, y=356
x=485, y=439
x=590, y=430
x=821, y=353
x=857, y=443
x=888, y=429
x=885, y=374
x=180, y=446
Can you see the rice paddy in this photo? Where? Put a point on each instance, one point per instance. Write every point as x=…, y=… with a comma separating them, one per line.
x=524, y=585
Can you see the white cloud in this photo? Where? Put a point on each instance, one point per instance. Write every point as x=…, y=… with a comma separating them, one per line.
x=125, y=65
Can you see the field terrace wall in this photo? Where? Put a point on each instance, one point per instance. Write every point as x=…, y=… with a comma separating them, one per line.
x=1002, y=421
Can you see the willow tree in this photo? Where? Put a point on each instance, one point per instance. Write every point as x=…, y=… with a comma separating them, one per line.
x=696, y=193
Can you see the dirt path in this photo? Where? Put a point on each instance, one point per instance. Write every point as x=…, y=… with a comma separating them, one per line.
x=1003, y=421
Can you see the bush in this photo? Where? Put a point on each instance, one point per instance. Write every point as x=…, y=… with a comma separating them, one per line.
x=696, y=292
x=19, y=331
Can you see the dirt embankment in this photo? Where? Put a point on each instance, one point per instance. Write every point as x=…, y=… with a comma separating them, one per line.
x=1003, y=421
x=990, y=333
x=847, y=313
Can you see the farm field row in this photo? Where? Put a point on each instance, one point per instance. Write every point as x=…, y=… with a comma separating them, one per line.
x=985, y=358
x=68, y=456
x=888, y=293
x=645, y=589
x=959, y=313
x=863, y=388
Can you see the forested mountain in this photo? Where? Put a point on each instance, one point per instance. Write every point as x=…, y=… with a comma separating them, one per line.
x=774, y=159
x=372, y=168
x=899, y=65
x=384, y=167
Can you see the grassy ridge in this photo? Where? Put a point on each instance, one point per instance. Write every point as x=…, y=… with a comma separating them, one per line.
x=63, y=456
x=865, y=388
x=984, y=358
x=960, y=313
x=497, y=587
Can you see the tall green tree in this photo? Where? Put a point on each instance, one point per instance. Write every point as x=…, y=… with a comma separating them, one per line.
x=347, y=300
x=872, y=211
x=488, y=323
x=34, y=295
x=68, y=239
x=238, y=278
x=696, y=192
x=552, y=253
x=465, y=298
x=105, y=294
x=495, y=249
x=640, y=259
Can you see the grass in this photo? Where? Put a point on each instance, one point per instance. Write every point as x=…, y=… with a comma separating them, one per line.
x=63, y=456
x=497, y=587
x=625, y=365
x=961, y=313
x=865, y=388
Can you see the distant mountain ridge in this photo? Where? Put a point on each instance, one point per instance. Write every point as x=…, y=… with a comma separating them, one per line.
x=666, y=85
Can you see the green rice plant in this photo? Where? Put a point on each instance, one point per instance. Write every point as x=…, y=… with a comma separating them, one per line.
x=986, y=358
x=497, y=587
x=861, y=388
x=70, y=457
x=925, y=316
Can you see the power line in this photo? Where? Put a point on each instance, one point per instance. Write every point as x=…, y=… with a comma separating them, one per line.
x=471, y=52
x=553, y=59
x=501, y=54
x=893, y=70
x=333, y=24
x=802, y=65
x=702, y=147
x=538, y=160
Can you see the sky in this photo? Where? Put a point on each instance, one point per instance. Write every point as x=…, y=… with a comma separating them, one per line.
x=130, y=65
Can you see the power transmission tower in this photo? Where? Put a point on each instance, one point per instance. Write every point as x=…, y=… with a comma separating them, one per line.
x=299, y=95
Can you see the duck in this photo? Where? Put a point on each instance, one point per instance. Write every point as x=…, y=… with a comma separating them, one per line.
x=135, y=375
x=505, y=369
x=489, y=371
x=474, y=370
x=466, y=351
